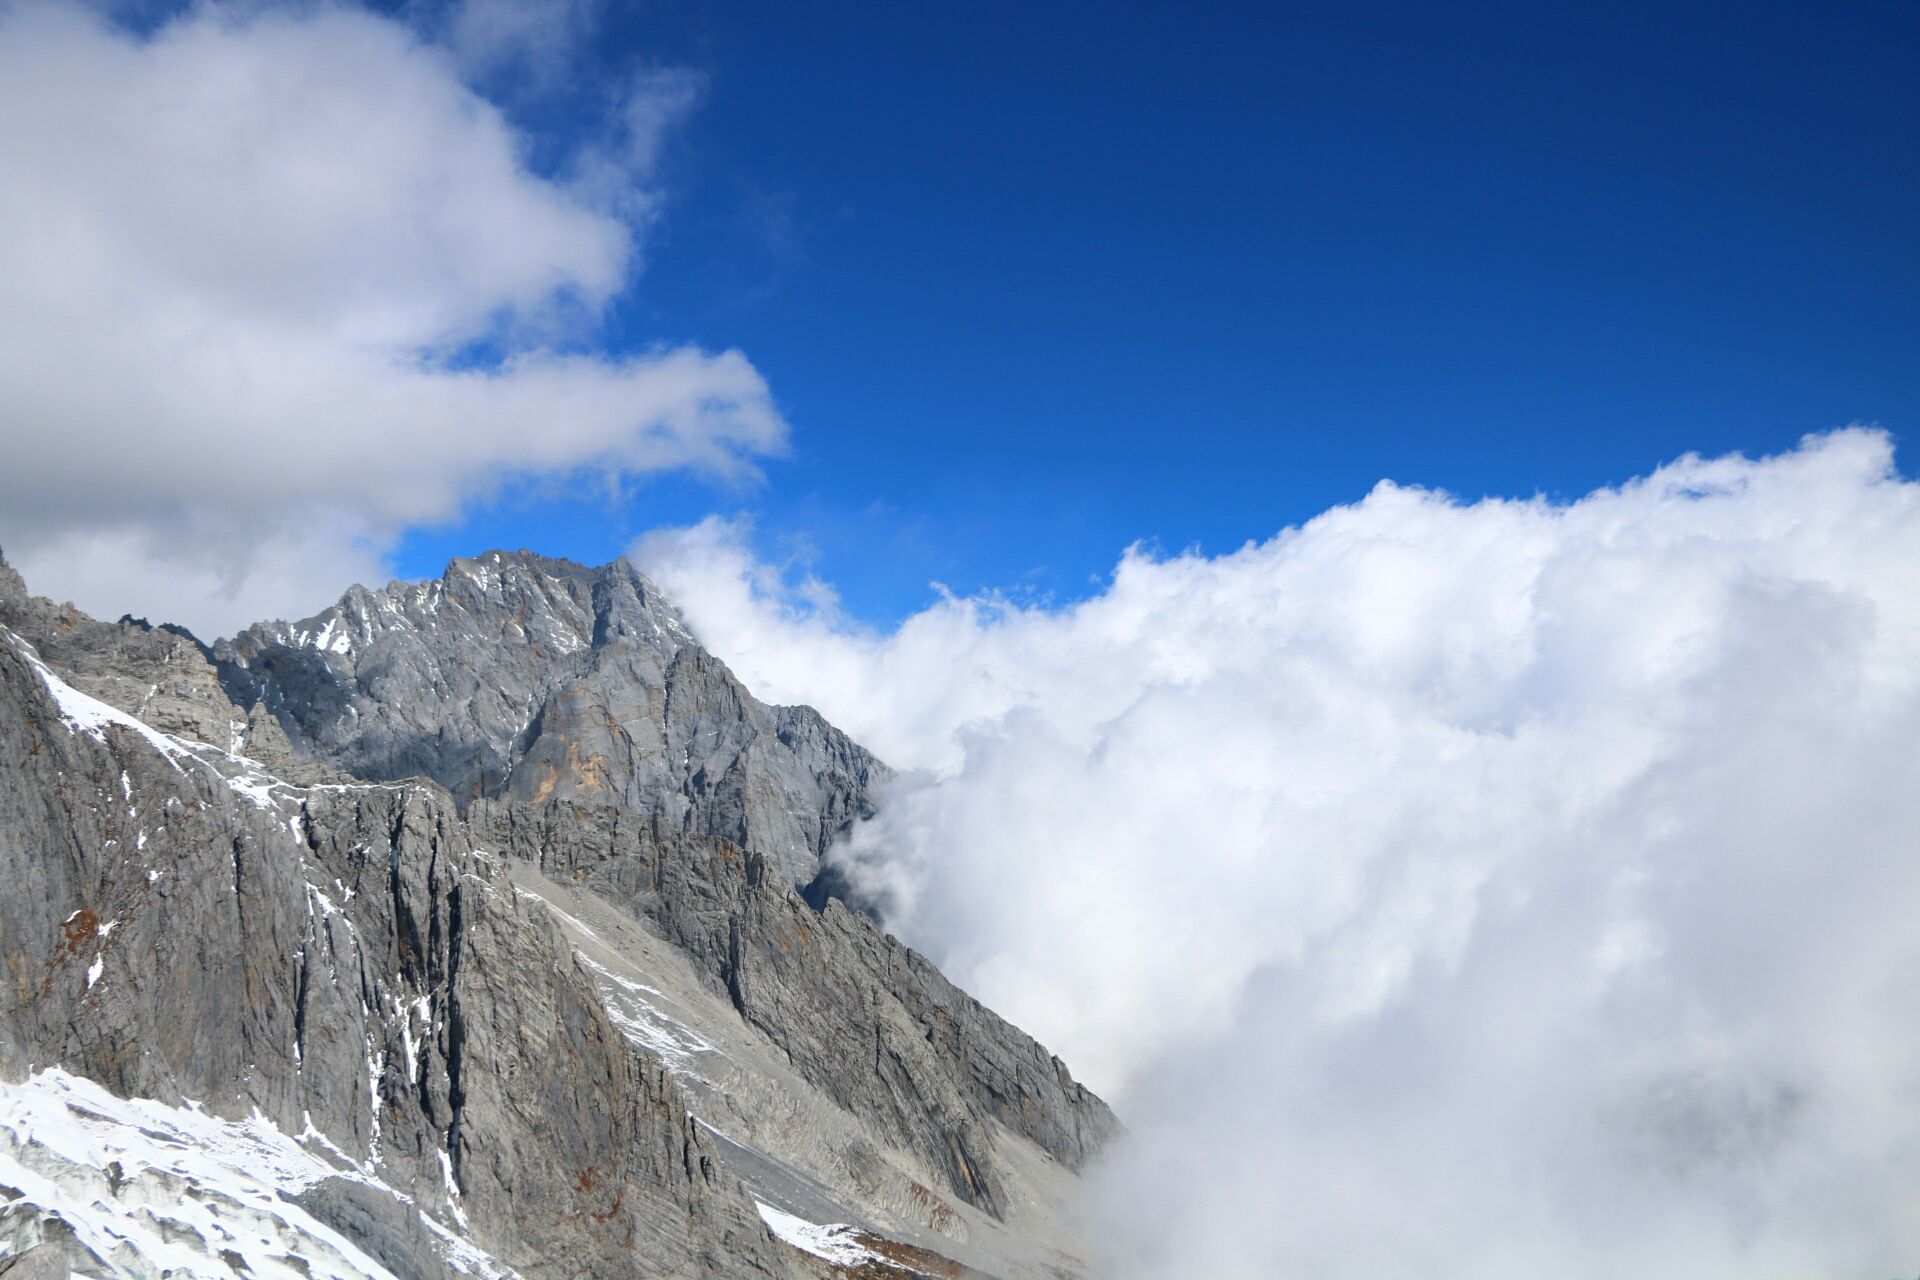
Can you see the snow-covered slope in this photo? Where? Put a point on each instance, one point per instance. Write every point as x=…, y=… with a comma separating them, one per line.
x=148, y=1189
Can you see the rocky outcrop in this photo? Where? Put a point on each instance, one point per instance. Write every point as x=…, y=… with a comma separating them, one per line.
x=337, y=960
x=520, y=677
x=863, y=1018
x=160, y=674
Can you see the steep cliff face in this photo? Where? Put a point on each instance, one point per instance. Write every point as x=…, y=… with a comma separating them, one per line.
x=337, y=963
x=862, y=1018
x=274, y=1004
x=525, y=678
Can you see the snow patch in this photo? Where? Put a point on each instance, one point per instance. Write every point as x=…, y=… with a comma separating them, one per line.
x=575, y=921
x=835, y=1242
x=452, y=1188
x=331, y=637
x=645, y=1024
x=153, y=1189
x=86, y=714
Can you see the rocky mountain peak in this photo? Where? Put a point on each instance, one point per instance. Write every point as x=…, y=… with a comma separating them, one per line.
x=11, y=584
x=274, y=1012
x=518, y=676
x=556, y=607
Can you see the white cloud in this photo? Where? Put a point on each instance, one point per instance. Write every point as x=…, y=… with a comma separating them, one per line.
x=535, y=37
x=188, y=573
x=650, y=107
x=247, y=259
x=1479, y=891
x=656, y=102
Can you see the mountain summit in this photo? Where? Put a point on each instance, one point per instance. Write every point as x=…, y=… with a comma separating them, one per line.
x=457, y=930
x=522, y=678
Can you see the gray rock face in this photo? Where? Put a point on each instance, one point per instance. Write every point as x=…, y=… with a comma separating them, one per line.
x=161, y=675
x=866, y=1020
x=525, y=678
x=227, y=921
x=179, y=926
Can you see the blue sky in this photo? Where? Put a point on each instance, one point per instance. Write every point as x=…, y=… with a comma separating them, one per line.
x=1010, y=288
x=1031, y=286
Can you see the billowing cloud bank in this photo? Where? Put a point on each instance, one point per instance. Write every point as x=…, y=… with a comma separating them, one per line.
x=278, y=284
x=1473, y=891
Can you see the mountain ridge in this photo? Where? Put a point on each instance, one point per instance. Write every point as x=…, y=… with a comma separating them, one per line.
x=523, y=677
x=405, y=956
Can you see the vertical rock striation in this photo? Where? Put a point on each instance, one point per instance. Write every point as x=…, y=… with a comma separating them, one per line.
x=338, y=961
